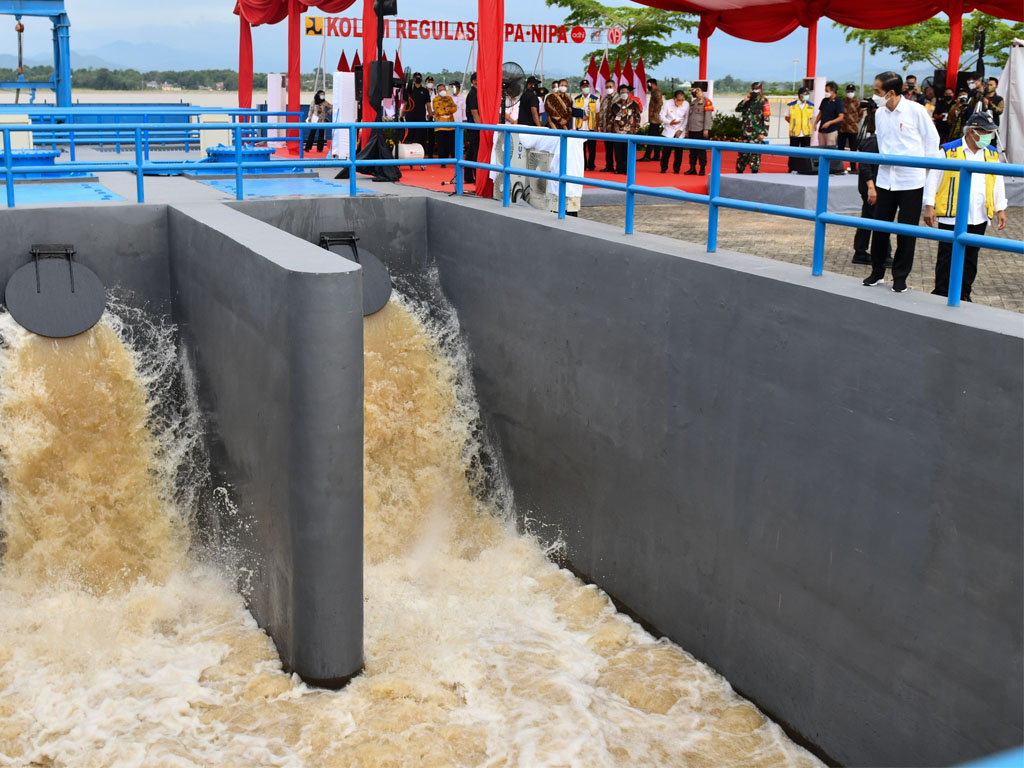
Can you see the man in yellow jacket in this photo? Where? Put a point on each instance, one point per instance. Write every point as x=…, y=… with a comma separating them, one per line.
x=444, y=109
x=801, y=123
x=584, y=111
x=988, y=200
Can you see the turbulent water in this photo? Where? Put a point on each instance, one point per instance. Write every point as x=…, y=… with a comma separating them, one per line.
x=119, y=646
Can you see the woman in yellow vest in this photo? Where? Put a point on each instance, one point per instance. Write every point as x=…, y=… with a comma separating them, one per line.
x=800, y=119
x=988, y=200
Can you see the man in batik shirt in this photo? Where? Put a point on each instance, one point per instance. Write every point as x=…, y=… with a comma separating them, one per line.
x=625, y=119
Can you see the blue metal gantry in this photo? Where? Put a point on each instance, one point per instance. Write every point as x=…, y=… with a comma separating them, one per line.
x=60, y=81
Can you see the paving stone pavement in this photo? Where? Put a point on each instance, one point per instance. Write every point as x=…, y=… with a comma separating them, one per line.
x=1000, y=281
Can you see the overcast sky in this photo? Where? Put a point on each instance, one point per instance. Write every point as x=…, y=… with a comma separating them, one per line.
x=204, y=33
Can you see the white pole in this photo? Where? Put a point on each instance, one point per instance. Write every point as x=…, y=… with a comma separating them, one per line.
x=863, y=50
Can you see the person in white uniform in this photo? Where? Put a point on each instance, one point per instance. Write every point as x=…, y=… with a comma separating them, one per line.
x=988, y=199
x=902, y=127
x=674, y=115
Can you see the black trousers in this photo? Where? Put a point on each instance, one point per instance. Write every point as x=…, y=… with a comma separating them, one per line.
x=470, y=145
x=863, y=238
x=590, y=154
x=621, y=149
x=429, y=147
x=945, y=262
x=651, y=151
x=798, y=141
x=677, y=158
x=316, y=135
x=445, y=143
x=905, y=207
x=697, y=156
x=417, y=136
x=609, y=155
x=848, y=140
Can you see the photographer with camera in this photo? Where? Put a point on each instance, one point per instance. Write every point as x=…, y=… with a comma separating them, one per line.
x=756, y=113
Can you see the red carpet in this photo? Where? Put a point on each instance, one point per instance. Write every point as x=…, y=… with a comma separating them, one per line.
x=648, y=174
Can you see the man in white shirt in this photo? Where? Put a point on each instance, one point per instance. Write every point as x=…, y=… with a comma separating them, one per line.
x=988, y=199
x=455, y=91
x=674, y=115
x=903, y=127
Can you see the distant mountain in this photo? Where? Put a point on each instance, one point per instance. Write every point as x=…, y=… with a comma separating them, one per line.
x=78, y=60
x=150, y=56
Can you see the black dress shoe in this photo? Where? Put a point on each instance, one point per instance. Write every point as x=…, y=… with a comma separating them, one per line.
x=690, y=172
x=859, y=257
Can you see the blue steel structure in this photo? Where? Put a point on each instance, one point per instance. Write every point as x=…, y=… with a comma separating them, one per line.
x=248, y=132
x=60, y=81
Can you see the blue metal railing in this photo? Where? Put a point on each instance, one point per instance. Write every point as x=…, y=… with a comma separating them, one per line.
x=242, y=133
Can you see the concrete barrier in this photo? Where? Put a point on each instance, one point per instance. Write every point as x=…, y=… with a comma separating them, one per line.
x=812, y=486
x=274, y=327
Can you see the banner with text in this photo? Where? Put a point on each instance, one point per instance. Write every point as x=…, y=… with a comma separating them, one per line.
x=426, y=29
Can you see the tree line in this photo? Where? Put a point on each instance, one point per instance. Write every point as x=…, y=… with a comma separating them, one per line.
x=103, y=79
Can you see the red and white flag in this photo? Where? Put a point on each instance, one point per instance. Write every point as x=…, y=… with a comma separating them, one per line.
x=618, y=73
x=640, y=84
x=592, y=75
x=398, y=66
x=603, y=76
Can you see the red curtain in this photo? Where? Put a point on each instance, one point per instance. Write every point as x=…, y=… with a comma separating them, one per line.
x=244, y=64
x=767, y=23
x=369, y=56
x=489, y=46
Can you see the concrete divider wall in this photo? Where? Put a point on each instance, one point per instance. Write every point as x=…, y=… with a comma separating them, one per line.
x=125, y=245
x=275, y=327
x=814, y=487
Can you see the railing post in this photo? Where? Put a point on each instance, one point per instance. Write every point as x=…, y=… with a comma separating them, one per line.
x=563, y=146
x=8, y=164
x=140, y=191
x=714, y=184
x=117, y=134
x=506, y=161
x=630, y=181
x=352, y=189
x=459, y=149
x=145, y=139
x=71, y=143
x=238, y=163
x=818, y=262
x=963, y=212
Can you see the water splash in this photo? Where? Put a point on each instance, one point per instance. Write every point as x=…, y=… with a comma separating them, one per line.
x=119, y=646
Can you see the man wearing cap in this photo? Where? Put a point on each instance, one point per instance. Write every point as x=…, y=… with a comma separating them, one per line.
x=904, y=128
x=584, y=112
x=558, y=105
x=655, y=102
x=829, y=117
x=698, y=125
x=756, y=114
x=529, y=104
x=988, y=200
x=801, y=114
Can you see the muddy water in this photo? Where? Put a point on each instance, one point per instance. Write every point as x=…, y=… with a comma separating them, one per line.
x=120, y=647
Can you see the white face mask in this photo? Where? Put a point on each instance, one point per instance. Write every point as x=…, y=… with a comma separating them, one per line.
x=851, y=94
x=610, y=91
x=442, y=92
x=624, y=97
x=879, y=100
x=563, y=88
x=585, y=89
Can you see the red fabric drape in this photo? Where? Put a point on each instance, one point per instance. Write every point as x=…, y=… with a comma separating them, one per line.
x=767, y=23
x=489, y=52
x=956, y=26
x=812, y=48
x=369, y=55
x=294, y=58
x=244, y=64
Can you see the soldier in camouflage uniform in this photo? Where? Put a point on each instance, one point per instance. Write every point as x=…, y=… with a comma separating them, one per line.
x=756, y=114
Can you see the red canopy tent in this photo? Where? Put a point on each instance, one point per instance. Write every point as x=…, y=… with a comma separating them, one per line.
x=766, y=21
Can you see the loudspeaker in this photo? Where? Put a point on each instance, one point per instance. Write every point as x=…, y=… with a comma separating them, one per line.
x=385, y=7
x=961, y=80
x=806, y=166
x=381, y=80
x=358, y=72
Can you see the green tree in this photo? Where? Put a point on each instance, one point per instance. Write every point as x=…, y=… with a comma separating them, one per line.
x=646, y=31
x=928, y=42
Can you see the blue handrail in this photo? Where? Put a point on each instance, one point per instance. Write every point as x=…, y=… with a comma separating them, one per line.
x=959, y=237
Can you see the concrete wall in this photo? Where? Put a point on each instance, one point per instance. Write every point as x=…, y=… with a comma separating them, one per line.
x=275, y=328
x=125, y=245
x=814, y=487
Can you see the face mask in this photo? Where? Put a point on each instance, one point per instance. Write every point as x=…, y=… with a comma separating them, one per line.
x=983, y=139
x=442, y=92
x=851, y=94
x=624, y=97
x=802, y=97
x=610, y=91
x=879, y=100
x=563, y=88
x=585, y=89
x=971, y=86
x=417, y=81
